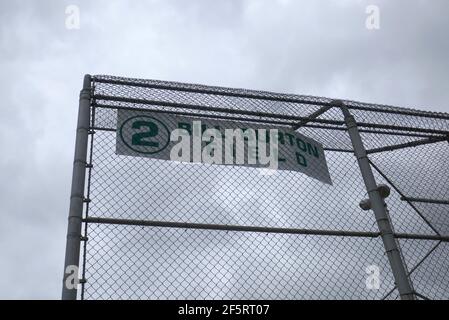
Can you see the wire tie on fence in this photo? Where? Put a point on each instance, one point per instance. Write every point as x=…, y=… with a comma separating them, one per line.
x=89, y=165
x=82, y=238
x=91, y=131
x=87, y=200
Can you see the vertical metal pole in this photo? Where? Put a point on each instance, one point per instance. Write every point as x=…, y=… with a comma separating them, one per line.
x=379, y=207
x=72, y=251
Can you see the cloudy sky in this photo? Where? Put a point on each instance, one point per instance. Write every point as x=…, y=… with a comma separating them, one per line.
x=308, y=47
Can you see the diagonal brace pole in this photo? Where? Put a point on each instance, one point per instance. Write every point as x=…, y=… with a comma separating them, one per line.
x=314, y=115
x=378, y=205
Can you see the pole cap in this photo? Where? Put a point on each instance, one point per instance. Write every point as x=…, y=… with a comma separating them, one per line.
x=384, y=190
x=365, y=204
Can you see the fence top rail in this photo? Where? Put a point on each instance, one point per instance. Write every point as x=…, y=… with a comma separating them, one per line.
x=265, y=95
x=267, y=117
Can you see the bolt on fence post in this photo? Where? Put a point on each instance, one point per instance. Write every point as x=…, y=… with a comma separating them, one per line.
x=72, y=252
x=378, y=205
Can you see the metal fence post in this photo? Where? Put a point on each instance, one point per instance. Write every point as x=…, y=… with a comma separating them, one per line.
x=379, y=207
x=72, y=253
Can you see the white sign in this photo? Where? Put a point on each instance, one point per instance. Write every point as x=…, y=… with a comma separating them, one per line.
x=204, y=140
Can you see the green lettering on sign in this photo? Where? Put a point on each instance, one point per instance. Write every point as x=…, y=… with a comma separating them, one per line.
x=138, y=139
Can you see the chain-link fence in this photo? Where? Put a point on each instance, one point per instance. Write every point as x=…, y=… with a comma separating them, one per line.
x=157, y=229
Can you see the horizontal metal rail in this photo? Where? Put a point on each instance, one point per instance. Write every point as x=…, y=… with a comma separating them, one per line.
x=409, y=144
x=263, y=121
x=209, y=116
x=395, y=133
x=213, y=109
x=424, y=200
x=261, y=114
x=339, y=150
x=206, y=226
x=266, y=96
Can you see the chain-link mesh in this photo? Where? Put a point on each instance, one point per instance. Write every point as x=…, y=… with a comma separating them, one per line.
x=408, y=149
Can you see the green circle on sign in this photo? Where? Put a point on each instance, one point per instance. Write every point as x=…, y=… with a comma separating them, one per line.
x=154, y=121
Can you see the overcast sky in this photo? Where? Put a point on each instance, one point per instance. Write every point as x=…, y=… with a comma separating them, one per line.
x=307, y=47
